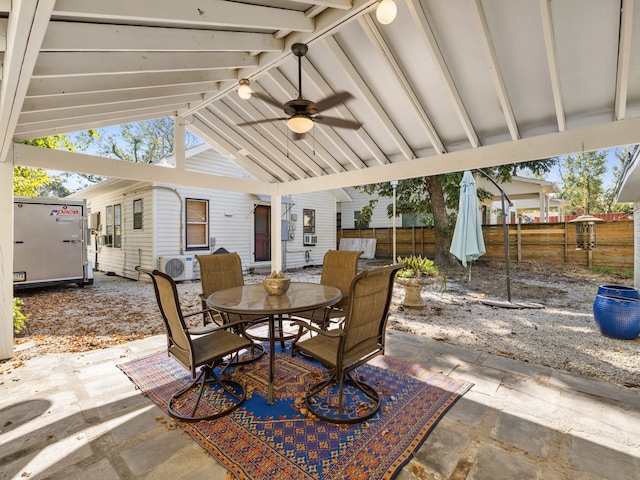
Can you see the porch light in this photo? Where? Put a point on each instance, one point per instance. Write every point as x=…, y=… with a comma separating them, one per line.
x=244, y=90
x=300, y=124
x=386, y=11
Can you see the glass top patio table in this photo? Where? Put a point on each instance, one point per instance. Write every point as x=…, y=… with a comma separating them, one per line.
x=254, y=300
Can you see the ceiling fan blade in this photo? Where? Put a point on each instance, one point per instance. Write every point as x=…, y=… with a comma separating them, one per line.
x=337, y=122
x=333, y=100
x=269, y=100
x=265, y=120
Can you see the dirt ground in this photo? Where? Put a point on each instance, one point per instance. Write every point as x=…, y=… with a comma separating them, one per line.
x=561, y=333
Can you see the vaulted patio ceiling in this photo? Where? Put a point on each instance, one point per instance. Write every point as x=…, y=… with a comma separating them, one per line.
x=449, y=85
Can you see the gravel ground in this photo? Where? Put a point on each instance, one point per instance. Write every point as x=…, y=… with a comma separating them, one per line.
x=561, y=335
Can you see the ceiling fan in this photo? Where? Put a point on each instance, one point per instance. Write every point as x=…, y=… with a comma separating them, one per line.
x=301, y=113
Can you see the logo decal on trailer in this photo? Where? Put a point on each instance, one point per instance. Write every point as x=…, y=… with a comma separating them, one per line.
x=64, y=211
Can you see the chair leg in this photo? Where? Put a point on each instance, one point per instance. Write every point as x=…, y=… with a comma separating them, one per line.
x=359, y=403
x=228, y=396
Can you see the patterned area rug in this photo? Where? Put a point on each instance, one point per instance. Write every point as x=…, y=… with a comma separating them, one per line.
x=261, y=441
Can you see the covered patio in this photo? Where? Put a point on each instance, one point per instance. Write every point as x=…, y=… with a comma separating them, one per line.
x=446, y=86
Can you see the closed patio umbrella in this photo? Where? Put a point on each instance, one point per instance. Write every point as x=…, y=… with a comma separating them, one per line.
x=468, y=243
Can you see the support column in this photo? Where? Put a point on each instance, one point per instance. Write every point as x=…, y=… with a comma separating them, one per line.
x=6, y=258
x=276, y=229
x=178, y=143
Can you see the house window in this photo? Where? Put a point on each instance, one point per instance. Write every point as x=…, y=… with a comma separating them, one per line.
x=137, y=214
x=197, y=223
x=107, y=240
x=117, y=226
x=308, y=221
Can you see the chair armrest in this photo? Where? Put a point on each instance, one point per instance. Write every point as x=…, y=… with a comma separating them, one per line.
x=213, y=327
x=327, y=333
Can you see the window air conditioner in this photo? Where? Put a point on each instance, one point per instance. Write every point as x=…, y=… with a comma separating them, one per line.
x=177, y=267
x=310, y=239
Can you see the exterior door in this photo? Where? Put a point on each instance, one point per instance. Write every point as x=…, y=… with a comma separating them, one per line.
x=262, y=232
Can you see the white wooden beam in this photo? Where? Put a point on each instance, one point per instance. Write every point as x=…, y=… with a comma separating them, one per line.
x=47, y=158
x=232, y=152
x=44, y=86
x=314, y=77
x=6, y=260
x=365, y=94
x=87, y=37
x=429, y=39
x=51, y=64
x=265, y=146
x=552, y=62
x=25, y=30
x=258, y=156
x=341, y=4
x=494, y=67
x=624, y=59
x=213, y=13
x=372, y=31
x=586, y=139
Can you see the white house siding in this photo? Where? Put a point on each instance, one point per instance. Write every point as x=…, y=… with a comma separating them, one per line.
x=296, y=255
x=379, y=219
x=231, y=221
x=636, y=243
x=137, y=245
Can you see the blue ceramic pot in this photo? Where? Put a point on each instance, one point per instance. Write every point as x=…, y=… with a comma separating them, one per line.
x=619, y=291
x=617, y=317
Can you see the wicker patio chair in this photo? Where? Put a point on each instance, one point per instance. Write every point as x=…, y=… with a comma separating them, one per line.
x=339, y=267
x=360, y=338
x=205, y=352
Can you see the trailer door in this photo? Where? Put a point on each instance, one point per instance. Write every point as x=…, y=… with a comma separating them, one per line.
x=48, y=243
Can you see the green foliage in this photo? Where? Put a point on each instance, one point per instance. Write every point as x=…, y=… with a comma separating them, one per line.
x=19, y=318
x=28, y=181
x=582, y=179
x=606, y=270
x=416, y=266
x=141, y=142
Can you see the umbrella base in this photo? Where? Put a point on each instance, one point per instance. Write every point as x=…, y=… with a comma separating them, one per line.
x=508, y=304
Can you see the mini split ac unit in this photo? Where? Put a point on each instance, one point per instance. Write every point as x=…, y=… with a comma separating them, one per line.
x=177, y=267
x=310, y=239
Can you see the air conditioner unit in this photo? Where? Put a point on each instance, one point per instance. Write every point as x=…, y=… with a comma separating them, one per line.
x=309, y=239
x=177, y=267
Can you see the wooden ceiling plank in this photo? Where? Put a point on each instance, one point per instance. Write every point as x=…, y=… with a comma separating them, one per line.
x=494, y=68
x=91, y=37
x=218, y=142
x=286, y=88
x=340, y=4
x=264, y=142
x=222, y=128
x=375, y=37
x=314, y=77
x=51, y=64
x=73, y=100
x=367, y=95
x=213, y=13
x=429, y=39
x=552, y=62
x=43, y=86
x=123, y=106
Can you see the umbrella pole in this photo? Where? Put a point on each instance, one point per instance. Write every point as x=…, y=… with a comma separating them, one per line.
x=505, y=230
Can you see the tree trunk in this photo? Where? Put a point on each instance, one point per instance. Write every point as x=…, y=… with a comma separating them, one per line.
x=441, y=221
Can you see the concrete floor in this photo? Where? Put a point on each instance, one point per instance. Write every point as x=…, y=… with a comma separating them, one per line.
x=77, y=416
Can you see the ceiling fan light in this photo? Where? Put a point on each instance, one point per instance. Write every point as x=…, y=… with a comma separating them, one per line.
x=386, y=11
x=300, y=124
x=244, y=90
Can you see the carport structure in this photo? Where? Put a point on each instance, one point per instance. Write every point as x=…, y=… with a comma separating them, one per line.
x=447, y=86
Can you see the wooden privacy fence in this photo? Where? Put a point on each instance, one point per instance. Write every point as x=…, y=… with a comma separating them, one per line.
x=549, y=242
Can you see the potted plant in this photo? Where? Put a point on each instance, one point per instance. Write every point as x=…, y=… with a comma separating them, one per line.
x=417, y=273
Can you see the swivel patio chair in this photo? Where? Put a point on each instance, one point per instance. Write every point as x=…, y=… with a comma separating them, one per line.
x=219, y=271
x=201, y=355
x=360, y=338
x=339, y=267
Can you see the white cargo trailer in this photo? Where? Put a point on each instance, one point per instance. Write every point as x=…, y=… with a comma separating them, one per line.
x=50, y=242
